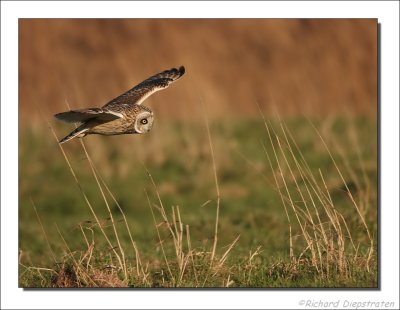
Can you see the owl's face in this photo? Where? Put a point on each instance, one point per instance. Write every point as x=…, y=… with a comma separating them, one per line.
x=144, y=122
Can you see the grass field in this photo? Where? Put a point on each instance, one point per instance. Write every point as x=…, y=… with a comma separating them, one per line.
x=254, y=204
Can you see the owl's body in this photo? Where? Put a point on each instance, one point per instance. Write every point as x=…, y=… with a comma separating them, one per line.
x=125, y=124
x=122, y=115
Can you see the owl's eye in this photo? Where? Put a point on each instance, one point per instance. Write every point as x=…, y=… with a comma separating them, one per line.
x=144, y=121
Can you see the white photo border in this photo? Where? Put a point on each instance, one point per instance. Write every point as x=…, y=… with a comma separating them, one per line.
x=13, y=297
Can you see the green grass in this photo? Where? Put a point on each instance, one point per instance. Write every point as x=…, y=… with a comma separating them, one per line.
x=179, y=161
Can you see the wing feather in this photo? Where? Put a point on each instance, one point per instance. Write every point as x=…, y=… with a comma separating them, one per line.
x=83, y=115
x=142, y=91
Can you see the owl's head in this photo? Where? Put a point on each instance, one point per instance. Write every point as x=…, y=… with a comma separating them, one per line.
x=144, y=121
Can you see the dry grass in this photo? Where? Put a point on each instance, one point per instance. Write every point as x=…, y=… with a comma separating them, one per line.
x=329, y=63
x=308, y=205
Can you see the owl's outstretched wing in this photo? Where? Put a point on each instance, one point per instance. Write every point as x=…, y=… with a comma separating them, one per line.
x=83, y=115
x=142, y=91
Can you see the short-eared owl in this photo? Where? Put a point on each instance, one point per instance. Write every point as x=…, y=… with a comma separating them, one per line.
x=122, y=115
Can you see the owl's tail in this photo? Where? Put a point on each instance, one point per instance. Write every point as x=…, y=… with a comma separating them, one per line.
x=77, y=133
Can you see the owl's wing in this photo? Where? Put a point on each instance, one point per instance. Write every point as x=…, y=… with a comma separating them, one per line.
x=83, y=115
x=142, y=91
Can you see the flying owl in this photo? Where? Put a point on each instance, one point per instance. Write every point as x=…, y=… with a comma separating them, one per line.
x=122, y=115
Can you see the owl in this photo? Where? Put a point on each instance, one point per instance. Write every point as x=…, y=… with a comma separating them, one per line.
x=122, y=115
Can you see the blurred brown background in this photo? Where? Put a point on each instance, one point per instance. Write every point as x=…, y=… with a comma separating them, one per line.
x=307, y=66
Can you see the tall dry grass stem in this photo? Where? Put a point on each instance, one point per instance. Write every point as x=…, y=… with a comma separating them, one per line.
x=216, y=183
x=44, y=232
x=158, y=233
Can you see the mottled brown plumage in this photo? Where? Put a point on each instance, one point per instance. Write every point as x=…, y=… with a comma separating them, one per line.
x=122, y=115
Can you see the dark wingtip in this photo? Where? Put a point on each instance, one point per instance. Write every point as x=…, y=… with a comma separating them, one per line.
x=57, y=116
x=181, y=70
x=61, y=116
